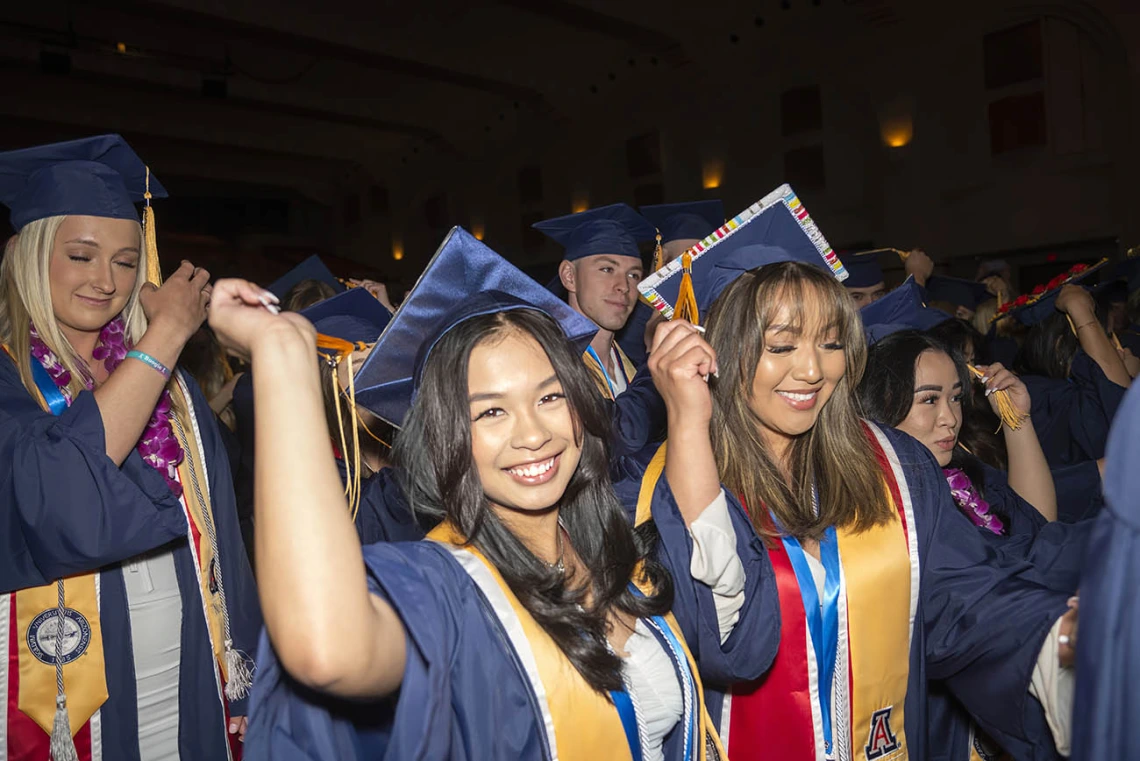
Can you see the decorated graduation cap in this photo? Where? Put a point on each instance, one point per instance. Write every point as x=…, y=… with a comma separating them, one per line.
x=94, y=176
x=310, y=269
x=1040, y=303
x=354, y=318
x=615, y=229
x=465, y=279
x=901, y=309
x=956, y=291
x=777, y=228
x=694, y=220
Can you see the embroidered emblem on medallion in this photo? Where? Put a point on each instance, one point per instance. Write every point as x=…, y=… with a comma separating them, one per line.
x=44, y=629
x=881, y=740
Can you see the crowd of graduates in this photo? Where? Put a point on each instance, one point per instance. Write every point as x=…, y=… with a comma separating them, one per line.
x=714, y=492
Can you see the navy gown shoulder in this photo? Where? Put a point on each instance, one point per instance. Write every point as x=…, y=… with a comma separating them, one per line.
x=631, y=338
x=66, y=507
x=637, y=415
x=1080, y=493
x=385, y=515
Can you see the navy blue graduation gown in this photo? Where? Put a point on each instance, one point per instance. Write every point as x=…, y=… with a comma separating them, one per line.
x=384, y=514
x=637, y=415
x=1080, y=494
x=1072, y=416
x=1106, y=700
x=68, y=509
x=463, y=695
x=243, y=473
x=1130, y=338
x=631, y=338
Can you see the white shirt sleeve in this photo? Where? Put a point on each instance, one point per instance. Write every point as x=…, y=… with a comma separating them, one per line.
x=716, y=563
x=1053, y=686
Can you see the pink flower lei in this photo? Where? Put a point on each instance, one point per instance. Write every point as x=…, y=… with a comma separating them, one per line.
x=970, y=502
x=158, y=445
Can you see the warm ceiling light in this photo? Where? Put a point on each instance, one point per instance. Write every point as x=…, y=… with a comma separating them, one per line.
x=478, y=230
x=580, y=203
x=898, y=134
x=712, y=174
x=397, y=250
x=121, y=47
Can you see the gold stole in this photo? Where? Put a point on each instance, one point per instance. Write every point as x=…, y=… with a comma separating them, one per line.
x=586, y=724
x=599, y=373
x=877, y=574
x=84, y=669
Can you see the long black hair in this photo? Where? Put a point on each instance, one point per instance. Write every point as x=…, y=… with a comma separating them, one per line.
x=1049, y=348
x=887, y=395
x=440, y=478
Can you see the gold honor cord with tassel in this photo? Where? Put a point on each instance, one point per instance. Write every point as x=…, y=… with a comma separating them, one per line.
x=686, y=308
x=1008, y=412
x=150, y=238
x=343, y=350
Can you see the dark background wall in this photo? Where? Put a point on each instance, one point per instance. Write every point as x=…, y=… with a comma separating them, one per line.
x=363, y=130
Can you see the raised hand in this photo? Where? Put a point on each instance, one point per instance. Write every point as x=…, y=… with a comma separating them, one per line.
x=997, y=378
x=178, y=307
x=681, y=362
x=241, y=314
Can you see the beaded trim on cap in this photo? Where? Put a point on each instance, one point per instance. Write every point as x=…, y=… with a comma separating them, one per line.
x=1041, y=291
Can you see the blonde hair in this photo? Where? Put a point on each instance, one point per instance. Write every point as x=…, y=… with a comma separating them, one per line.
x=834, y=456
x=25, y=298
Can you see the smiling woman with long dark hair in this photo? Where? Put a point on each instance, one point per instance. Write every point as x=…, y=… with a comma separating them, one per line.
x=534, y=621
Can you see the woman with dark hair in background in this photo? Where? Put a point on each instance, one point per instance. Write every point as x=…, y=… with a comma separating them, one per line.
x=1070, y=368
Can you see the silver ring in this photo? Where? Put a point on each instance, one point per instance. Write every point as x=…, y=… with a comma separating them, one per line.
x=1063, y=639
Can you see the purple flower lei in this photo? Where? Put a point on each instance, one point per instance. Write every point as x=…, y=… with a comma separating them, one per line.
x=158, y=446
x=970, y=502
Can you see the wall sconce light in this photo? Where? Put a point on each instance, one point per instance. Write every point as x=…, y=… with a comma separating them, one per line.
x=580, y=202
x=897, y=132
x=712, y=174
x=477, y=229
x=397, y=250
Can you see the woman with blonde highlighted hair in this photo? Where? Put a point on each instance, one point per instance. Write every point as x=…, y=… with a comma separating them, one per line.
x=124, y=590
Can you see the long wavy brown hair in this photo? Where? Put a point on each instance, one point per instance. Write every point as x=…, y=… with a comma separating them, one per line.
x=834, y=455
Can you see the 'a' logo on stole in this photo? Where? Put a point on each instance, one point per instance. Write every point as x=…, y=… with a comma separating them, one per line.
x=881, y=739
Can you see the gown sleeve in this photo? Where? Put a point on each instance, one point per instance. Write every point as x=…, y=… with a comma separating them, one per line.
x=66, y=507
x=1072, y=417
x=1080, y=493
x=1020, y=517
x=637, y=415
x=631, y=338
x=971, y=589
x=241, y=593
x=749, y=650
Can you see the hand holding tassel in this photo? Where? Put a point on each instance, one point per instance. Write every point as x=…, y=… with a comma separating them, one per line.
x=1008, y=396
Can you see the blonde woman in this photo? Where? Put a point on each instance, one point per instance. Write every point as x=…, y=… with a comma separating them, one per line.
x=124, y=591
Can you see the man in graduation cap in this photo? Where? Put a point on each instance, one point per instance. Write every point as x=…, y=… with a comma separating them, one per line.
x=965, y=296
x=680, y=226
x=598, y=277
x=865, y=281
x=125, y=594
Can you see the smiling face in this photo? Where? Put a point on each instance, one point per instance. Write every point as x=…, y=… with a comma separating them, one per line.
x=603, y=288
x=523, y=437
x=801, y=363
x=935, y=417
x=93, y=271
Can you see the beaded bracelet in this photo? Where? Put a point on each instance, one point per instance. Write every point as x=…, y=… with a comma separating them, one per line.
x=150, y=361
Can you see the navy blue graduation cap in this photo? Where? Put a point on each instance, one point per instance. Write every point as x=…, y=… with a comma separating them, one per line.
x=1111, y=291
x=863, y=270
x=685, y=221
x=1040, y=304
x=355, y=316
x=95, y=176
x=956, y=291
x=464, y=279
x=310, y=269
x=615, y=229
x=775, y=229
x=901, y=309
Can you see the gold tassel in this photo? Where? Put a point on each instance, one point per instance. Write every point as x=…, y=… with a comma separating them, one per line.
x=658, y=254
x=343, y=349
x=150, y=239
x=686, y=308
x=1116, y=342
x=1008, y=412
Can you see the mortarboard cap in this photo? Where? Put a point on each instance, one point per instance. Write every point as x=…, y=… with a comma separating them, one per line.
x=1040, y=303
x=615, y=229
x=695, y=220
x=956, y=291
x=95, y=176
x=464, y=279
x=863, y=270
x=310, y=269
x=355, y=316
x=901, y=309
x=776, y=228
x=1111, y=291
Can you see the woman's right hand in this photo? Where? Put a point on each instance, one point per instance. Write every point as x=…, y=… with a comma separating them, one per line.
x=241, y=314
x=179, y=305
x=681, y=362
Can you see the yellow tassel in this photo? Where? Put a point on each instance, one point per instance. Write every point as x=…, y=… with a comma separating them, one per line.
x=1116, y=342
x=1008, y=412
x=150, y=239
x=658, y=254
x=686, y=308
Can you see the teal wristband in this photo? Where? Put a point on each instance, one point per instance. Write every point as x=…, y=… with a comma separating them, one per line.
x=150, y=361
